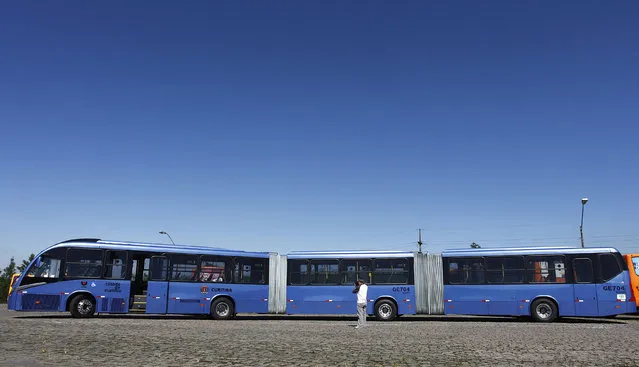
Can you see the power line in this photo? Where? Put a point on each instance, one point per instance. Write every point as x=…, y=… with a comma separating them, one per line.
x=538, y=239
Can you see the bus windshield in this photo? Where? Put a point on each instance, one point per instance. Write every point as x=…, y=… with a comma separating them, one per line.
x=45, y=267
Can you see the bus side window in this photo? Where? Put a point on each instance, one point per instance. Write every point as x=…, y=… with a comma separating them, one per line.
x=298, y=272
x=466, y=270
x=546, y=269
x=353, y=269
x=213, y=270
x=505, y=269
x=582, y=270
x=250, y=270
x=390, y=271
x=83, y=263
x=115, y=265
x=610, y=266
x=184, y=267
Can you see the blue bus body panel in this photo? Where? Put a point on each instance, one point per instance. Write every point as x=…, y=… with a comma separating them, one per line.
x=610, y=298
x=111, y=295
x=249, y=298
x=505, y=300
x=586, y=303
x=614, y=295
x=157, y=296
x=196, y=298
x=340, y=300
x=325, y=300
x=563, y=294
x=465, y=300
x=11, y=301
x=185, y=298
x=502, y=301
x=47, y=297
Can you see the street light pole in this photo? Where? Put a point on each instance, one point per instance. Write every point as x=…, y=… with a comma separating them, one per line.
x=581, y=227
x=162, y=232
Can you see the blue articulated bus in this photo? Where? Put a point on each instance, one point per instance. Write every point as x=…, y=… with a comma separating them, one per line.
x=88, y=276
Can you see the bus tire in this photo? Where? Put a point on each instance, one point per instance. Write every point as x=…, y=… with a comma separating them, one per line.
x=222, y=309
x=385, y=310
x=82, y=305
x=543, y=310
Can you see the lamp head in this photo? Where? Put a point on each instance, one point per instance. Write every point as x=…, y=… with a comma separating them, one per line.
x=584, y=201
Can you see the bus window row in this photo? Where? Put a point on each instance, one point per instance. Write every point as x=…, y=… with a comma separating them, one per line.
x=76, y=263
x=347, y=271
x=585, y=268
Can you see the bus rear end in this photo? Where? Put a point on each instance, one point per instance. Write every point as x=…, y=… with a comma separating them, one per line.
x=632, y=261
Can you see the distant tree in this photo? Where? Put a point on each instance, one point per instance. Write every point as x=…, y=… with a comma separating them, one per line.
x=25, y=263
x=9, y=270
x=474, y=245
x=5, y=279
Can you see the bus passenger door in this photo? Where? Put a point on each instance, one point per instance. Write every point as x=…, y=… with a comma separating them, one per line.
x=585, y=289
x=158, y=291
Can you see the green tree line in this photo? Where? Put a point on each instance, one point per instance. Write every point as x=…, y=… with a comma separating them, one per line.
x=5, y=275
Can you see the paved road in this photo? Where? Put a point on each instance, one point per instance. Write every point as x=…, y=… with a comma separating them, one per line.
x=57, y=339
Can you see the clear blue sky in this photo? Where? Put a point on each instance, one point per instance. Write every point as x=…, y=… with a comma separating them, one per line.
x=319, y=125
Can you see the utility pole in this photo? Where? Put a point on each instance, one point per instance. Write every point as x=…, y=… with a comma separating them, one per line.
x=419, y=242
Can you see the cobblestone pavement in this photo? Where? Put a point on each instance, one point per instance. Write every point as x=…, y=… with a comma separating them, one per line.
x=36, y=339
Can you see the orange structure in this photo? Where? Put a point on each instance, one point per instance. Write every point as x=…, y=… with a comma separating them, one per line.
x=632, y=260
x=14, y=278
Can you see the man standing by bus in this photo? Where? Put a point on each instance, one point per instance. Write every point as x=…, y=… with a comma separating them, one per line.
x=362, y=292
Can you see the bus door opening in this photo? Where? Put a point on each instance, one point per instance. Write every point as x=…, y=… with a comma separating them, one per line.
x=140, y=264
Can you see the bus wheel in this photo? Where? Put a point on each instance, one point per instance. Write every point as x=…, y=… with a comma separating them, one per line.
x=385, y=310
x=543, y=310
x=82, y=305
x=222, y=309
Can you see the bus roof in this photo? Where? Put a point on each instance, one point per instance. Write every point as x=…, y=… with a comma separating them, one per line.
x=497, y=251
x=155, y=247
x=354, y=254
